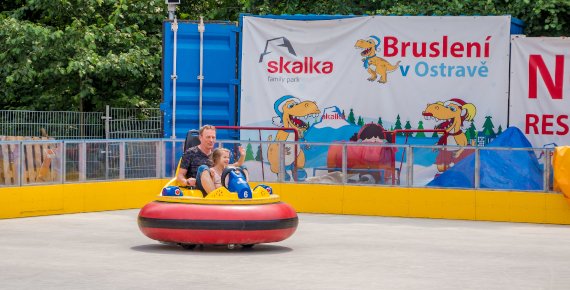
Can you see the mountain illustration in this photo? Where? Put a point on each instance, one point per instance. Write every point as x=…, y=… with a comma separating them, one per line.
x=332, y=117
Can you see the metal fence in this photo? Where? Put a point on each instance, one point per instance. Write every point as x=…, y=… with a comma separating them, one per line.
x=134, y=123
x=58, y=125
x=108, y=160
x=30, y=162
x=114, y=123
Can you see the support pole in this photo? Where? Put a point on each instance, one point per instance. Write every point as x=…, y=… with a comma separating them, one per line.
x=201, y=29
x=174, y=76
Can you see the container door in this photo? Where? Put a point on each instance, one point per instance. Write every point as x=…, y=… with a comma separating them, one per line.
x=219, y=71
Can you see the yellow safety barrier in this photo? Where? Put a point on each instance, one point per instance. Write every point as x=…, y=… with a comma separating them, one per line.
x=509, y=206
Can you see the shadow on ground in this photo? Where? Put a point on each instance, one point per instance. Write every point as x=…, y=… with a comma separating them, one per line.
x=174, y=249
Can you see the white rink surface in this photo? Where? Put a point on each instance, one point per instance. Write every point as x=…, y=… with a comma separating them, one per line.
x=106, y=250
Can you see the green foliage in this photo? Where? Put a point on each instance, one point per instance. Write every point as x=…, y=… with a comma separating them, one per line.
x=542, y=17
x=231, y=9
x=80, y=55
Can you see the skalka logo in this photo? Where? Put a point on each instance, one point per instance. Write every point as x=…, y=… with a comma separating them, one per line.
x=283, y=41
x=333, y=116
x=308, y=65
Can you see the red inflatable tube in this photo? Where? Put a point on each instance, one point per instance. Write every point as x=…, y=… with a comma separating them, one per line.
x=365, y=157
x=188, y=223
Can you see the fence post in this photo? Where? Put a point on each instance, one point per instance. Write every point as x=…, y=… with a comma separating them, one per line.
x=21, y=163
x=63, y=161
x=477, y=165
x=344, y=164
x=159, y=158
x=107, y=159
x=82, y=161
x=546, y=171
x=282, y=172
x=122, y=159
x=107, y=119
x=409, y=166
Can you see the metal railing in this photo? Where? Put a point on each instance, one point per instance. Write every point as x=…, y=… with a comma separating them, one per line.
x=58, y=125
x=114, y=123
x=133, y=123
x=32, y=162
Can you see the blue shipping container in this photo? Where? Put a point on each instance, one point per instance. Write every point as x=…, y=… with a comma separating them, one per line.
x=220, y=81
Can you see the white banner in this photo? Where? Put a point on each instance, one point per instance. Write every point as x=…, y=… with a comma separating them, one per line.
x=376, y=67
x=540, y=89
x=328, y=78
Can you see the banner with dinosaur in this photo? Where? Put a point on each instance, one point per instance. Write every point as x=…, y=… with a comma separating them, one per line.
x=328, y=78
x=540, y=91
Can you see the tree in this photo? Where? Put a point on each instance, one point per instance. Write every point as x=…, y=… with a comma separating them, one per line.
x=488, y=127
x=471, y=133
x=408, y=127
x=541, y=18
x=380, y=121
x=230, y=9
x=420, y=127
x=80, y=55
x=351, y=117
x=249, y=153
x=259, y=155
x=499, y=130
x=398, y=125
x=360, y=121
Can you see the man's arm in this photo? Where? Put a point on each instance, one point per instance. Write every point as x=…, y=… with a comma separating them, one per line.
x=181, y=177
x=185, y=162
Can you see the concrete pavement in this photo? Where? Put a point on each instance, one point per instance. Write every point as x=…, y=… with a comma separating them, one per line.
x=106, y=250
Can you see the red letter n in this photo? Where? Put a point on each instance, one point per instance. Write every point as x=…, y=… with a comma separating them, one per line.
x=554, y=88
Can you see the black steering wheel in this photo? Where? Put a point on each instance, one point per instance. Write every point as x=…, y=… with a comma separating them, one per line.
x=227, y=171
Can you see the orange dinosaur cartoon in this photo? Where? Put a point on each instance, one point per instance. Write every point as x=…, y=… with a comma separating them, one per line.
x=453, y=113
x=289, y=112
x=375, y=65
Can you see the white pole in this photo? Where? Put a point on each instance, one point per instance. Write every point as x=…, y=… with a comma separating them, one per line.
x=201, y=29
x=174, y=77
x=107, y=123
